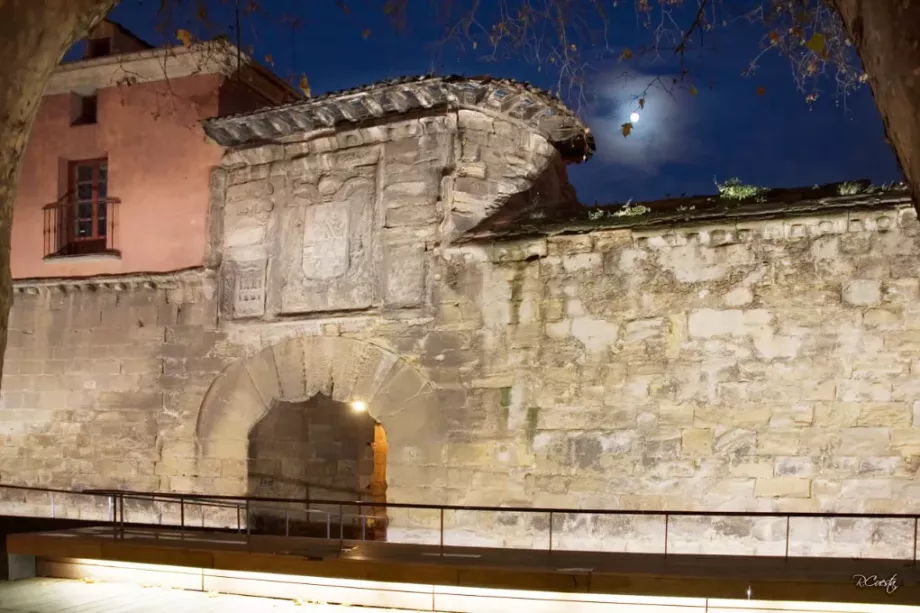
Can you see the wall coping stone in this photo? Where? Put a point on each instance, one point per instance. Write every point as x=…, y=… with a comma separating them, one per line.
x=734, y=215
x=117, y=283
x=160, y=63
x=519, y=102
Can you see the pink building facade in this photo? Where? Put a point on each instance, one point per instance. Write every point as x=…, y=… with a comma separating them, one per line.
x=116, y=175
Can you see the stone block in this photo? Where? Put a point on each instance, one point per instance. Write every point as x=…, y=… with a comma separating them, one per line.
x=783, y=487
x=906, y=441
x=796, y=415
x=794, y=466
x=674, y=414
x=865, y=441
x=837, y=414
x=697, y=442
x=405, y=271
x=862, y=292
x=890, y=414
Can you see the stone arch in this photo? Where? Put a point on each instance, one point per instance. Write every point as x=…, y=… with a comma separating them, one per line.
x=397, y=395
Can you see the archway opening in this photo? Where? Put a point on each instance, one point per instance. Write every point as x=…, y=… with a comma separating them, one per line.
x=318, y=449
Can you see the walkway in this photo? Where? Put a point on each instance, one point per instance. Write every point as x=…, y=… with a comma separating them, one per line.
x=682, y=576
x=65, y=596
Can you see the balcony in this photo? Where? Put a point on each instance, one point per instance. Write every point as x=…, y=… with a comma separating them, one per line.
x=80, y=228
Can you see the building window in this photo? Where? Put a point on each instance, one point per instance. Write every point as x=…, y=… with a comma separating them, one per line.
x=82, y=222
x=85, y=110
x=89, y=181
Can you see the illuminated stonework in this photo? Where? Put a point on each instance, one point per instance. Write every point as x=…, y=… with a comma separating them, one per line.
x=760, y=357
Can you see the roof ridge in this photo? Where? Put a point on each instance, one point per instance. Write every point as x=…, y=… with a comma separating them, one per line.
x=518, y=100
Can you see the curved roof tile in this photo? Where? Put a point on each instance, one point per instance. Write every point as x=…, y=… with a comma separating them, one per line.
x=546, y=113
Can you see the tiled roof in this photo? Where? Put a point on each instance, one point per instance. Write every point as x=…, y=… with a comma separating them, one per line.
x=517, y=100
x=705, y=209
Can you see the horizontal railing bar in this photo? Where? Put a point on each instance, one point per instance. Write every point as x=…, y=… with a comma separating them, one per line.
x=70, y=199
x=55, y=490
x=301, y=506
x=478, y=508
x=543, y=510
x=197, y=503
x=286, y=509
x=189, y=500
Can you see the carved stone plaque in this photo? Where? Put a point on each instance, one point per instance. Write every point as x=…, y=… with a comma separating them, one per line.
x=326, y=254
x=249, y=290
x=325, y=241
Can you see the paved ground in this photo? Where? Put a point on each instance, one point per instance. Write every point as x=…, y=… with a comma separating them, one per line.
x=610, y=573
x=839, y=571
x=65, y=596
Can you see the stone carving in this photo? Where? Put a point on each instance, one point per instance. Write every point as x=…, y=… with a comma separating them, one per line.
x=249, y=290
x=325, y=241
x=326, y=258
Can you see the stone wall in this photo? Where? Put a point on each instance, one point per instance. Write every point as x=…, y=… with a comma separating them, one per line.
x=96, y=373
x=741, y=364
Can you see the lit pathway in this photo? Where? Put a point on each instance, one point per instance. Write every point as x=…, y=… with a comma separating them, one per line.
x=66, y=596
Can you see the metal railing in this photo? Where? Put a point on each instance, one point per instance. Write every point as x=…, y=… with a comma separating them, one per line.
x=549, y=529
x=243, y=510
x=69, y=231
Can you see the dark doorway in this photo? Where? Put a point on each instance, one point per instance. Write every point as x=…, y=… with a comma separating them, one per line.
x=320, y=449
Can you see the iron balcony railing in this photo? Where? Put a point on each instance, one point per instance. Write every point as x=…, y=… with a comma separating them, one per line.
x=73, y=228
x=877, y=536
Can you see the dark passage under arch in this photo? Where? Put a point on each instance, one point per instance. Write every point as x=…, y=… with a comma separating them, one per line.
x=319, y=449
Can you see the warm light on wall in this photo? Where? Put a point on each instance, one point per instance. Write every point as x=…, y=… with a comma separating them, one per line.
x=359, y=405
x=420, y=597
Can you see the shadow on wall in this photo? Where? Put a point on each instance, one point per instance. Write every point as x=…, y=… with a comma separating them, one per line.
x=316, y=449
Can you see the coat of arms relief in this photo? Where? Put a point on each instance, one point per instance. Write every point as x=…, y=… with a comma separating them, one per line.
x=325, y=262
x=326, y=244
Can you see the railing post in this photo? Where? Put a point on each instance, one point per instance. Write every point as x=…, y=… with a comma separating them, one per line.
x=51, y=495
x=121, y=521
x=287, y=523
x=787, y=540
x=551, y=532
x=341, y=526
x=915, y=540
x=113, y=510
x=667, y=518
x=442, y=531
x=239, y=525
x=328, y=526
x=248, y=522
x=181, y=517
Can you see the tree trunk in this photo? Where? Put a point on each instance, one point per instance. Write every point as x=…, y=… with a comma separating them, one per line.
x=34, y=36
x=887, y=35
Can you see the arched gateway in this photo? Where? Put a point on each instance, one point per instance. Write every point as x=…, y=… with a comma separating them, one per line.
x=254, y=398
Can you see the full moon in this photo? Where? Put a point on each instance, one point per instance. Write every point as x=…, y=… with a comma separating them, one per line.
x=634, y=117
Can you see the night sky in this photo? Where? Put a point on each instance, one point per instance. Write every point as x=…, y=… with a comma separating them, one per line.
x=682, y=143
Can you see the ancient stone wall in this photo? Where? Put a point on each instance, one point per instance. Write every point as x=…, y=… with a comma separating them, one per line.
x=740, y=364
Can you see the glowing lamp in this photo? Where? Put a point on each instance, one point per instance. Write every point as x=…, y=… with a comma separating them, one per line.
x=634, y=117
x=359, y=405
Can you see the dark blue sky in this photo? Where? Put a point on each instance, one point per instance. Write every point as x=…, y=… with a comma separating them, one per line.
x=681, y=143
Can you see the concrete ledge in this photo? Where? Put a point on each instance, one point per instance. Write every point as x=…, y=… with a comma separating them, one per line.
x=20, y=566
x=377, y=596
x=676, y=576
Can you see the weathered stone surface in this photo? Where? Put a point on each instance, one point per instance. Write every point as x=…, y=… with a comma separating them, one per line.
x=767, y=365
